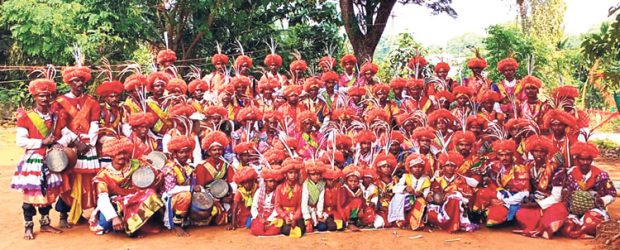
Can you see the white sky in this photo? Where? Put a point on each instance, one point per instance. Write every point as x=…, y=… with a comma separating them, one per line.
x=475, y=15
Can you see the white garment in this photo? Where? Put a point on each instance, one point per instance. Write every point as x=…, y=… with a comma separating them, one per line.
x=311, y=212
x=267, y=204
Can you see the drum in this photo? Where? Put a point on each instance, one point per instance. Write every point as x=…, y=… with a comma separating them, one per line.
x=581, y=202
x=201, y=201
x=200, y=209
x=157, y=159
x=218, y=188
x=60, y=159
x=439, y=198
x=143, y=177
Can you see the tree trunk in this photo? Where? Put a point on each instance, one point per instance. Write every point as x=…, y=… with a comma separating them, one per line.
x=365, y=42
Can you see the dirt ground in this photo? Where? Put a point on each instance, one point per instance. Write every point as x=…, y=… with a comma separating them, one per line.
x=11, y=229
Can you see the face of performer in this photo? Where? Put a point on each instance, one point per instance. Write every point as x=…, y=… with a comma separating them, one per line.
x=330, y=183
x=531, y=92
x=364, y=147
x=558, y=127
x=43, y=99
x=353, y=182
x=368, y=75
x=476, y=129
x=477, y=70
x=270, y=185
x=244, y=69
x=240, y=90
x=182, y=155
x=409, y=126
x=292, y=175
x=299, y=73
x=314, y=176
x=307, y=126
x=220, y=66
x=77, y=85
x=442, y=125
x=268, y=93
x=382, y=96
x=167, y=64
x=214, y=119
x=385, y=169
x=271, y=124
x=448, y=169
x=216, y=151
x=395, y=148
x=325, y=67
x=349, y=66
x=540, y=155
x=398, y=93
x=313, y=92
x=584, y=163
x=415, y=92
x=366, y=181
x=158, y=88
x=505, y=157
x=570, y=104
x=357, y=99
x=198, y=93
x=140, y=131
x=120, y=160
x=329, y=85
x=487, y=105
x=175, y=91
x=226, y=97
x=293, y=99
x=462, y=100
x=425, y=144
x=509, y=73
x=244, y=158
x=443, y=103
x=417, y=170
x=464, y=148
x=248, y=185
x=112, y=99
x=442, y=73
x=273, y=68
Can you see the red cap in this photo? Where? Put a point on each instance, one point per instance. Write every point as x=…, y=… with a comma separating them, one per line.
x=165, y=56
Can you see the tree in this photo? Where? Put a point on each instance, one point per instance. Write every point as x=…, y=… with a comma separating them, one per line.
x=395, y=64
x=502, y=41
x=463, y=43
x=364, y=20
x=41, y=32
x=546, y=21
x=602, y=49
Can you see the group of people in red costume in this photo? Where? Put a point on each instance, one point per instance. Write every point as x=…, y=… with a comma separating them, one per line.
x=303, y=153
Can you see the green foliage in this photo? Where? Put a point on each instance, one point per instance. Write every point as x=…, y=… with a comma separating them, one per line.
x=546, y=21
x=503, y=41
x=604, y=45
x=462, y=44
x=34, y=32
x=403, y=48
x=605, y=144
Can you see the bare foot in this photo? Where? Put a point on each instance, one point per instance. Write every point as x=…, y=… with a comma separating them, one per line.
x=28, y=234
x=353, y=228
x=181, y=232
x=50, y=229
x=64, y=224
x=546, y=235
